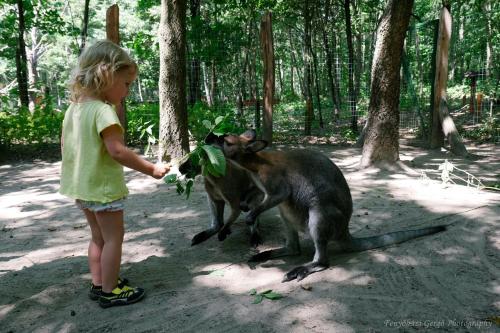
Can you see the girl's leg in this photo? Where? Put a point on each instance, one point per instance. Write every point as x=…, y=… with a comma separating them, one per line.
x=112, y=230
x=95, y=248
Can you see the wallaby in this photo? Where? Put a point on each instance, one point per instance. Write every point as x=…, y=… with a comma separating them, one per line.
x=312, y=195
x=233, y=189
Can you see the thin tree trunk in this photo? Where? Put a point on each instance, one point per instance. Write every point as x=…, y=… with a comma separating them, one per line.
x=85, y=25
x=352, y=93
x=173, y=137
x=381, y=142
x=194, y=68
x=21, y=58
x=113, y=34
x=309, y=113
x=440, y=105
x=206, y=84
x=267, y=45
x=329, y=58
x=489, y=37
x=317, y=90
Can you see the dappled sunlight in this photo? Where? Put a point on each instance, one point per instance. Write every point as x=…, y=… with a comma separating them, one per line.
x=207, y=287
x=137, y=251
x=215, y=276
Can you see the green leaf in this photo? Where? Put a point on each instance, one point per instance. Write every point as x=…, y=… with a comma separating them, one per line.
x=189, y=185
x=272, y=296
x=170, y=179
x=216, y=158
x=218, y=120
x=180, y=188
x=207, y=124
x=258, y=299
x=253, y=292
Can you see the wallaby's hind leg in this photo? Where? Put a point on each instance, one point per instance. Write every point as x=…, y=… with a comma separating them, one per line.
x=217, y=212
x=321, y=230
x=292, y=246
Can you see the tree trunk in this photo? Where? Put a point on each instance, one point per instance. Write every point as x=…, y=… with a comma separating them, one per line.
x=213, y=82
x=194, y=68
x=292, y=60
x=21, y=59
x=83, y=35
x=113, y=34
x=32, y=56
x=267, y=44
x=352, y=96
x=489, y=37
x=329, y=58
x=358, y=38
x=308, y=117
x=173, y=138
x=450, y=131
x=440, y=109
x=382, y=132
x=317, y=88
x=206, y=84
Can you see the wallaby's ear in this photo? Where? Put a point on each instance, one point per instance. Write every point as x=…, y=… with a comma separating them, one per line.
x=249, y=135
x=256, y=146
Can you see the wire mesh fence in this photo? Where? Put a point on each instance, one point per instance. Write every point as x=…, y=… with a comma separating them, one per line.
x=226, y=74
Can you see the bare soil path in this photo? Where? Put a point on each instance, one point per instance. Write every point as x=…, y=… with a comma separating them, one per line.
x=446, y=282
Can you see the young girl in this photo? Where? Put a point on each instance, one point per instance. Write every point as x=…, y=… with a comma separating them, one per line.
x=93, y=156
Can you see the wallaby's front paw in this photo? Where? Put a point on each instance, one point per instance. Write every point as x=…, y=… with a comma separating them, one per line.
x=223, y=233
x=200, y=237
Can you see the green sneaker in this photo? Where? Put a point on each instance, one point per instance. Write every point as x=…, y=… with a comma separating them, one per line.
x=120, y=296
x=95, y=291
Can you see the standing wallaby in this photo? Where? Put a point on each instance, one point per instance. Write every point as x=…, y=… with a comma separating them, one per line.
x=312, y=195
x=233, y=189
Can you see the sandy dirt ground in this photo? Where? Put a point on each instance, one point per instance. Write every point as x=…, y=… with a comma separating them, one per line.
x=447, y=282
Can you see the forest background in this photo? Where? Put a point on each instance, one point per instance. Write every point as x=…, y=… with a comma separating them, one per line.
x=323, y=49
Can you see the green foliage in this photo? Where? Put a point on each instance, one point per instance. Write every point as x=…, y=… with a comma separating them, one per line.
x=209, y=159
x=22, y=127
x=349, y=134
x=200, y=115
x=142, y=124
x=487, y=131
x=269, y=294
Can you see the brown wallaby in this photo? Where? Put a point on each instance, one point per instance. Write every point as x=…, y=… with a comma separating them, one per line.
x=233, y=189
x=312, y=195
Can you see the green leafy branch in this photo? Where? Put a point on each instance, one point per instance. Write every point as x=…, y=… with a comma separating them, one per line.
x=269, y=294
x=210, y=159
x=147, y=129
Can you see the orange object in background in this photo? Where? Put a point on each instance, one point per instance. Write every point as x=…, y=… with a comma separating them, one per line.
x=479, y=100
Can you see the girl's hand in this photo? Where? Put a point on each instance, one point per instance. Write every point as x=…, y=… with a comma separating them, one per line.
x=160, y=170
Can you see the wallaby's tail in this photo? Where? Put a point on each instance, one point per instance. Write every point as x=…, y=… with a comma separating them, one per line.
x=367, y=243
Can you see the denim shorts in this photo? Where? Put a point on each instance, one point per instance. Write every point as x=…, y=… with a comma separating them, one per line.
x=96, y=207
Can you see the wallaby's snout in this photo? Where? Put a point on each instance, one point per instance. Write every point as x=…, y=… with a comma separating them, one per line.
x=189, y=169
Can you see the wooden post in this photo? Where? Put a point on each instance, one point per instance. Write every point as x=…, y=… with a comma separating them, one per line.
x=266, y=41
x=440, y=111
x=113, y=34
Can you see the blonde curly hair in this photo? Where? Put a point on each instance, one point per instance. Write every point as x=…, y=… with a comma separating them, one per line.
x=96, y=68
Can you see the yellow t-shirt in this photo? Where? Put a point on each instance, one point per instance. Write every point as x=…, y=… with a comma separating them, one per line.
x=88, y=172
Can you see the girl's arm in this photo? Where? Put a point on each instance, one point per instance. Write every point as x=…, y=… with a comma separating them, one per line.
x=113, y=140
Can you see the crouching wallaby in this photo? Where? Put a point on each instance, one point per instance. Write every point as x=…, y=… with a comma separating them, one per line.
x=312, y=195
x=233, y=189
